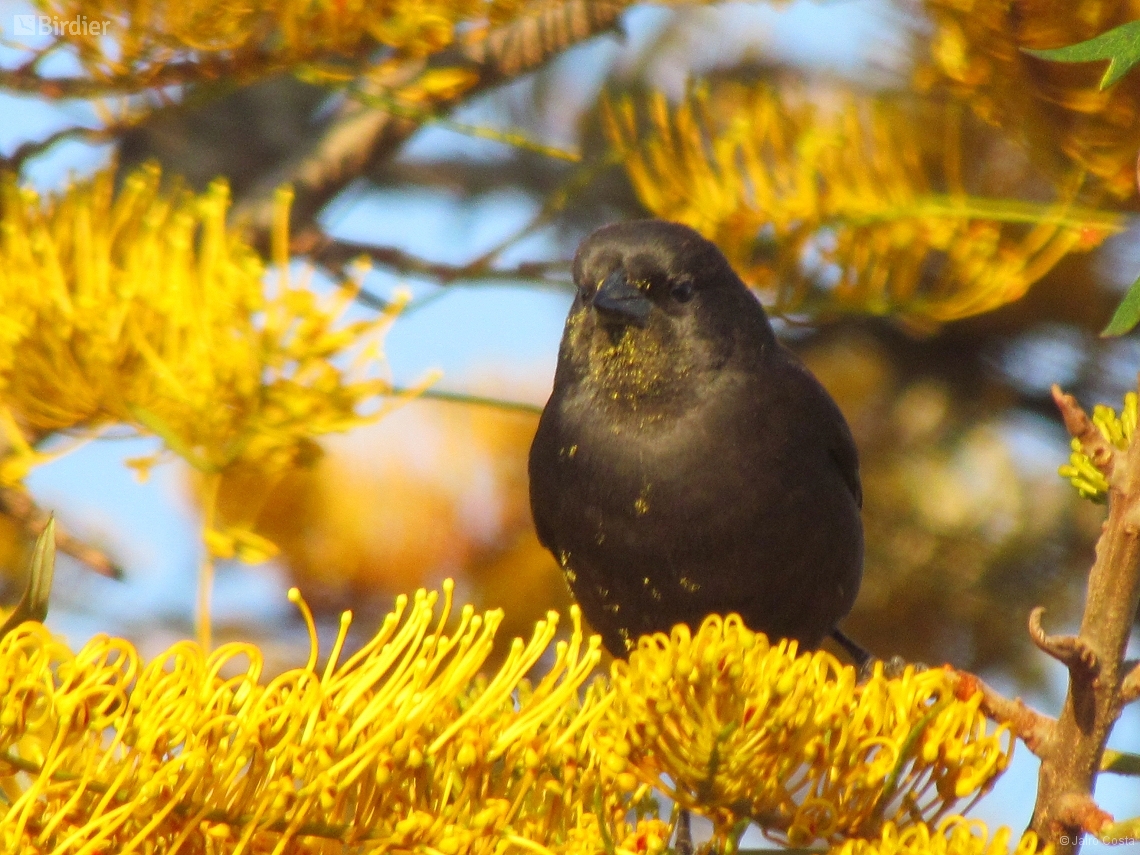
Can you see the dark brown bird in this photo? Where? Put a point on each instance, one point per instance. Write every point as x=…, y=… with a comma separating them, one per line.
x=686, y=462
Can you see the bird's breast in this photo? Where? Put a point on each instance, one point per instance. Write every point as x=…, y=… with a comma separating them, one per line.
x=640, y=479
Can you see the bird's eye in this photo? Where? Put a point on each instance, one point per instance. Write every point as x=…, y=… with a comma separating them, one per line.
x=682, y=291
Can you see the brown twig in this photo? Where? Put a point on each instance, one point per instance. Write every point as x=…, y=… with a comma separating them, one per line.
x=334, y=255
x=1071, y=756
x=207, y=69
x=1031, y=727
x=1099, y=450
x=1081, y=812
x=18, y=505
x=1070, y=650
x=15, y=161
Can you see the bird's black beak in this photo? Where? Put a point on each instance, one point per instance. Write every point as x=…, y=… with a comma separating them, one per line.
x=620, y=301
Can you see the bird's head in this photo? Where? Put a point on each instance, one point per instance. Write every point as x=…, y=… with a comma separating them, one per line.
x=655, y=301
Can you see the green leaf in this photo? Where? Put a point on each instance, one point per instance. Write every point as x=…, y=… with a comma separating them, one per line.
x=1120, y=45
x=33, y=604
x=1127, y=314
x=1120, y=762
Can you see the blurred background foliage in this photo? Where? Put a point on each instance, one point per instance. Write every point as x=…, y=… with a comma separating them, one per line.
x=941, y=232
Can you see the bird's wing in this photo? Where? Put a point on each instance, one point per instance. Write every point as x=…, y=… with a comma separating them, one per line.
x=843, y=453
x=825, y=413
x=540, y=471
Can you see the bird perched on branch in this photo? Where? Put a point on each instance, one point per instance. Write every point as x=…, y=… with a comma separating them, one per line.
x=686, y=462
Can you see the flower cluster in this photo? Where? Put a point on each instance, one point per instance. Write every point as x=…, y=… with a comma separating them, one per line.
x=1056, y=110
x=1117, y=430
x=840, y=206
x=405, y=745
x=153, y=42
x=142, y=308
x=737, y=728
x=954, y=836
x=401, y=746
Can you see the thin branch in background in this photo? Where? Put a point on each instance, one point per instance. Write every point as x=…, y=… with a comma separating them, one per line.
x=18, y=505
x=554, y=202
x=481, y=268
x=472, y=400
x=15, y=161
x=25, y=78
x=361, y=137
x=431, y=116
x=334, y=255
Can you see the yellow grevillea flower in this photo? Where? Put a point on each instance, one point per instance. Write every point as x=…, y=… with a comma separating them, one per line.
x=954, y=836
x=1118, y=430
x=976, y=58
x=405, y=745
x=142, y=307
x=248, y=40
x=840, y=207
x=738, y=729
x=402, y=746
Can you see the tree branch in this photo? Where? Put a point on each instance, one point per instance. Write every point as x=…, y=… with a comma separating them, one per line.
x=207, y=69
x=1070, y=650
x=1071, y=760
x=334, y=255
x=15, y=161
x=1099, y=450
x=1035, y=729
x=1082, y=813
